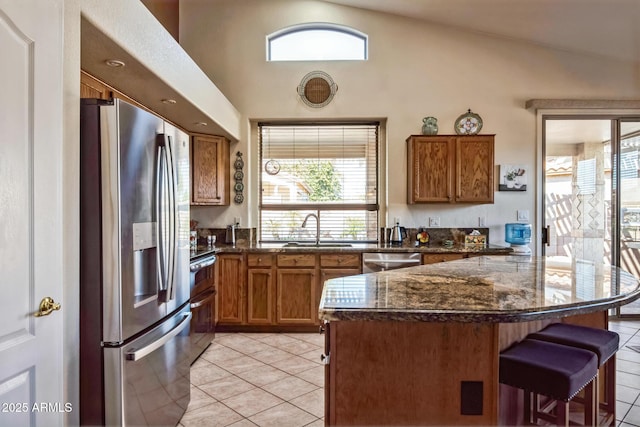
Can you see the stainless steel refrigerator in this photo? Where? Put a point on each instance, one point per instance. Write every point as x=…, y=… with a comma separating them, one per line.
x=134, y=267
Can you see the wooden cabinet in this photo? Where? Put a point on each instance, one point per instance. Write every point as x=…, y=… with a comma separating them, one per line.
x=450, y=169
x=260, y=289
x=296, y=289
x=91, y=87
x=230, y=277
x=435, y=258
x=333, y=266
x=210, y=170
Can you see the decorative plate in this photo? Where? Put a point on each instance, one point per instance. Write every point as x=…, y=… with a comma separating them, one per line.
x=468, y=124
x=239, y=163
x=238, y=175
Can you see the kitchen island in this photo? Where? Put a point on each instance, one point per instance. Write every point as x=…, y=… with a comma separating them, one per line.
x=421, y=345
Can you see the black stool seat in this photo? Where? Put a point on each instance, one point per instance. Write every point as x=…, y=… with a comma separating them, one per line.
x=602, y=342
x=547, y=368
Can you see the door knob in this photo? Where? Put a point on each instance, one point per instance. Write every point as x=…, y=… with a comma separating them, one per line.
x=47, y=305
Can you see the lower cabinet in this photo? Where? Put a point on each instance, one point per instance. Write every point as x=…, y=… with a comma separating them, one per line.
x=296, y=283
x=260, y=290
x=334, y=266
x=283, y=290
x=230, y=280
x=295, y=295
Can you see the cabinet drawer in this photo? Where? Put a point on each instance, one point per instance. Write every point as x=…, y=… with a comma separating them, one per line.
x=434, y=258
x=296, y=260
x=260, y=260
x=340, y=260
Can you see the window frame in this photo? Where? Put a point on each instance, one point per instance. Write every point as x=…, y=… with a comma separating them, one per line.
x=319, y=207
x=317, y=26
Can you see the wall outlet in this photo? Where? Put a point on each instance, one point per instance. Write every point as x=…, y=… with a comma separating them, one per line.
x=523, y=215
x=482, y=221
x=236, y=220
x=434, y=221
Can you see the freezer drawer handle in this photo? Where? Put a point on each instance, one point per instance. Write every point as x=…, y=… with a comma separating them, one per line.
x=145, y=351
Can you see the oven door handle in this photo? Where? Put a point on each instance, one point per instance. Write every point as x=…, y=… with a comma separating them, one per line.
x=208, y=295
x=199, y=265
x=146, y=350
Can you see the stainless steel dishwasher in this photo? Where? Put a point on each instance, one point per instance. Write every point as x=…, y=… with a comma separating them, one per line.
x=381, y=261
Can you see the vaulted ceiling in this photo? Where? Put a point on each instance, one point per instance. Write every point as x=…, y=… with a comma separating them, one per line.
x=608, y=28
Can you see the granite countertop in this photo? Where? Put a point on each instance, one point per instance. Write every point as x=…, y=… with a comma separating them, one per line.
x=479, y=289
x=490, y=249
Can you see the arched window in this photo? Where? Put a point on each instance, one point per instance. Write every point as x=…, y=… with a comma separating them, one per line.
x=317, y=42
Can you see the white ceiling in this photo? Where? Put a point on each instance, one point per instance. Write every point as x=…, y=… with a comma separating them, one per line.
x=608, y=28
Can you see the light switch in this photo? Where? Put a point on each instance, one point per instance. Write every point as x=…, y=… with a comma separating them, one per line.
x=523, y=215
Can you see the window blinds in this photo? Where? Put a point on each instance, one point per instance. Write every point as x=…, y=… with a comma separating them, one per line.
x=329, y=169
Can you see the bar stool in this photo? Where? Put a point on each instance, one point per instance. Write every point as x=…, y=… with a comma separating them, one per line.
x=557, y=371
x=603, y=343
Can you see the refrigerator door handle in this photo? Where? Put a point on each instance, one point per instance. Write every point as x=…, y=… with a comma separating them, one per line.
x=166, y=206
x=160, y=253
x=173, y=214
x=148, y=349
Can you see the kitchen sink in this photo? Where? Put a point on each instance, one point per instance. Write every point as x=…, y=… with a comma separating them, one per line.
x=316, y=245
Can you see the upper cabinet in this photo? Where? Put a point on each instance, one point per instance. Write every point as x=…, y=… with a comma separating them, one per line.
x=450, y=169
x=210, y=171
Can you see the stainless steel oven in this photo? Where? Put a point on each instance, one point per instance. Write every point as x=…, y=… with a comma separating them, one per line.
x=203, y=298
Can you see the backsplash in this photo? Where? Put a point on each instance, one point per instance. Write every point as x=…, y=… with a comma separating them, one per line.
x=437, y=236
x=244, y=236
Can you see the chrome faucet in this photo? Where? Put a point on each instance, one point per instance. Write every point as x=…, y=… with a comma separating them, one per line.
x=317, y=217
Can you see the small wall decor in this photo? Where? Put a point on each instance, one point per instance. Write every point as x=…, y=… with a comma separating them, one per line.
x=430, y=126
x=238, y=176
x=513, y=178
x=317, y=89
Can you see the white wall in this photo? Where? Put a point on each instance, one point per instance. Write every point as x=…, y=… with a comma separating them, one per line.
x=415, y=69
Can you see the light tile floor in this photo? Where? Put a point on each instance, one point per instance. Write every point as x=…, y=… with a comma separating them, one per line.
x=249, y=379
x=264, y=379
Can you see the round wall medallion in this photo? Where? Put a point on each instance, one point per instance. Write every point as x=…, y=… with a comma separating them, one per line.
x=317, y=89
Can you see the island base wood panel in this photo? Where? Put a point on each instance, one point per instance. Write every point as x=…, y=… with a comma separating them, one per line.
x=418, y=369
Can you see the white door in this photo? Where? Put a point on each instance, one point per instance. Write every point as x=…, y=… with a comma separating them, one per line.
x=31, y=124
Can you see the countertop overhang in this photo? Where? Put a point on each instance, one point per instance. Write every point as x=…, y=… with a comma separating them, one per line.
x=492, y=289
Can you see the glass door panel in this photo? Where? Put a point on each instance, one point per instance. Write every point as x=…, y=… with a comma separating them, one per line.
x=578, y=189
x=577, y=194
x=629, y=200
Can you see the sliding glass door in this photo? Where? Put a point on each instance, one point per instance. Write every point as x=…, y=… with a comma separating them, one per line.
x=629, y=200
x=591, y=205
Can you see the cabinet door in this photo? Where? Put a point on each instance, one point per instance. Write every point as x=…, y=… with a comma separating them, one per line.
x=429, y=169
x=260, y=296
x=231, y=288
x=296, y=296
x=210, y=171
x=474, y=169
x=333, y=273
